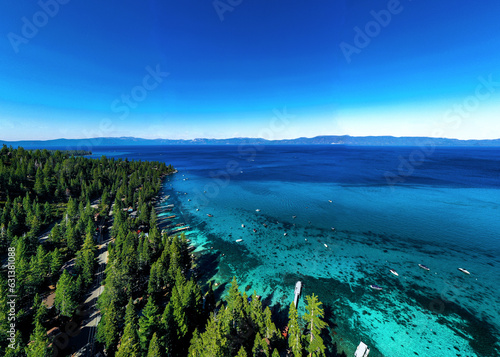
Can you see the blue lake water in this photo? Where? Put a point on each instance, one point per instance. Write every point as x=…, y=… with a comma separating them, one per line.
x=391, y=208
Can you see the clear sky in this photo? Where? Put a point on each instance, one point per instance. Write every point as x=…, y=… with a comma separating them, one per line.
x=256, y=68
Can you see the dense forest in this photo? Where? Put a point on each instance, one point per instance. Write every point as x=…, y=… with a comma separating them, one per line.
x=57, y=209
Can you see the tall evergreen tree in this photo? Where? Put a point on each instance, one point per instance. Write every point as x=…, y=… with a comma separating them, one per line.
x=154, y=349
x=129, y=343
x=260, y=347
x=108, y=328
x=148, y=323
x=294, y=332
x=242, y=352
x=39, y=345
x=313, y=318
x=64, y=300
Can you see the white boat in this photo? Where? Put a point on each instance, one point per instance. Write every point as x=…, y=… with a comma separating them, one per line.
x=325, y=245
x=239, y=240
x=464, y=271
x=257, y=210
x=330, y=201
x=362, y=350
x=394, y=272
x=423, y=267
x=242, y=226
x=285, y=234
x=375, y=287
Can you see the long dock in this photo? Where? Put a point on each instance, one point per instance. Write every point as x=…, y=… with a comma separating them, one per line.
x=179, y=230
x=298, y=291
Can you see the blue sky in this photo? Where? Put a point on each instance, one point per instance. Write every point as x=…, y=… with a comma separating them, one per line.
x=273, y=69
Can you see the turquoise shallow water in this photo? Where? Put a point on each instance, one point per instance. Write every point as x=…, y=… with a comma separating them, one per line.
x=440, y=312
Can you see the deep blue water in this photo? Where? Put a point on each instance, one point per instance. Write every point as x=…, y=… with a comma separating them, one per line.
x=391, y=207
x=347, y=165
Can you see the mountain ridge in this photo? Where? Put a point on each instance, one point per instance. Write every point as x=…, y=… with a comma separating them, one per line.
x=317, y=140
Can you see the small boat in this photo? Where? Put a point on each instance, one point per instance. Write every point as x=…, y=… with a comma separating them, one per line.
x=197, y=209
x=242, y=226
x=254, y=230
x=257, y=210
x=333, y=229
x=362, y=350
x=330, y=201
x=265, y=225
x=375, y=287
x=325, y=245
x=294, y=217
x=423, y=267
x=189, y=199
x=285, y=234
x=394, y=272
x=464, y=271
x=210, y=215
x=239, y=240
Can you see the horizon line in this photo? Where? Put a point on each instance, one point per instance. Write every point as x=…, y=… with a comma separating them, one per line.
x=246, y=137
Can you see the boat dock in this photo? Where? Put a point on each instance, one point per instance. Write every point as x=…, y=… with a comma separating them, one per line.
x=179, y=230
x=298, y=291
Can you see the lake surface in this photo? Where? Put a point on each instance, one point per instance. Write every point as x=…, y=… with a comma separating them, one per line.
x=391, y=208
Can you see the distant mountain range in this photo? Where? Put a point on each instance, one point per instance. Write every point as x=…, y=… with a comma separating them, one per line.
x=88, y=144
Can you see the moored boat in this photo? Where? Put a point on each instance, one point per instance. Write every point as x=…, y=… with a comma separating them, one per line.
x=423, y=267
x=464, y=271
x=239, y=240
x=394, y=272
x=375, y=287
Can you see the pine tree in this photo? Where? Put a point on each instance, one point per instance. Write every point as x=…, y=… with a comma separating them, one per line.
x=39, y=345
x=148, y=323
x=129, y=343
x=256, y=315
x=56, y=261
x=294, y=331
x=39, y=188
x=275, y=353
x=154, y=349
x=107, y=330
x=260, y=348
x=235, y=303
x=40, y=310
x=64, y=300
x=270, y=330
x=313, y=318
x=168, y=327
x=242, y=352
